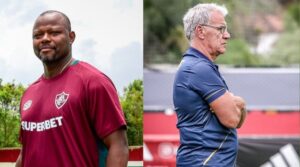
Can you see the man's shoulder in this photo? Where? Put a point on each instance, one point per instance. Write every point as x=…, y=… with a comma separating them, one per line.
x=86, y=71
x=196, y=64
x=90, y=74
x=204, y=66
x=86, y=67
x=35, y=83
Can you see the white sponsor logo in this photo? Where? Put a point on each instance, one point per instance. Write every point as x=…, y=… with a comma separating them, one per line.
x=166, y=150
x=287, y=157
x=27, y=105
x=42, y=126
x=61, y=99
x=147, y=154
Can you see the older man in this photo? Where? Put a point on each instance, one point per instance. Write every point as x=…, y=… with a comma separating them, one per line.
x=72, y=109
x=208, y=113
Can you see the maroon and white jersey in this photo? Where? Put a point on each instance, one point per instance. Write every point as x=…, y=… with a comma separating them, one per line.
x=62, y=118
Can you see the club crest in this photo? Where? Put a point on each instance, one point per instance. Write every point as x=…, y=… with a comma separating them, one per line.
x=27, y=105
x=61, y=99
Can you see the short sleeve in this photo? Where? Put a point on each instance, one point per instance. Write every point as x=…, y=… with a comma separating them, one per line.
x=104, y=106
x=205, y=80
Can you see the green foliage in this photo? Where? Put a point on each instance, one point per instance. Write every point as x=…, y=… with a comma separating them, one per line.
x=132, y=104
x=163, y=32
x=292, y=18
x=10, y=95
x=164, y=39
x=238, y=53
x=294, y=12
x=287, y=49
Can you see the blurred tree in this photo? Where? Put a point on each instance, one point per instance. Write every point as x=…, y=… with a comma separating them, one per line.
x=10, y=95
x=238, y=53
x=132, y=104
x=294, y=11
x=164, y=39
x=163, y=32
x=286, y=50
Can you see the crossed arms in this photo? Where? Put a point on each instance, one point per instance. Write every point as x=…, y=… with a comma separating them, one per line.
x=230, y=110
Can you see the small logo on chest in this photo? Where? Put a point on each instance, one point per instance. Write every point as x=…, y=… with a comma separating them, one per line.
x=61, y=99
x=27, y=105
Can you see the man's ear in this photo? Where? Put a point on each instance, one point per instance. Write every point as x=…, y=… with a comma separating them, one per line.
x=199, y=32
x=72, y=36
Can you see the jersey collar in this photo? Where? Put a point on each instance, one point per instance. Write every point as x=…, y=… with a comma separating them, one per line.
x=193, y=51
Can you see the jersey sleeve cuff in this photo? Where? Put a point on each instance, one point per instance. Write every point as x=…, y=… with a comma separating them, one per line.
x=115, y=128
x=214, y=95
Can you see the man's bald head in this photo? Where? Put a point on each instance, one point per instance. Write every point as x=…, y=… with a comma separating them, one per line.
x=66, y=18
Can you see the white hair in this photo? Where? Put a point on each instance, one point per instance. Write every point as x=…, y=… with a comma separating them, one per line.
x=200, y=14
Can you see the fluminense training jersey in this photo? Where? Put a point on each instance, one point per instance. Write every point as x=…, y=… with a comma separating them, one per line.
x=63, y=119
x=204, y=141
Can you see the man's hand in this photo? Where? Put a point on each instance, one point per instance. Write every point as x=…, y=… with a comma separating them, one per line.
x=241, y=104
x=243, y=117
x=229, y=109
x=239, y=101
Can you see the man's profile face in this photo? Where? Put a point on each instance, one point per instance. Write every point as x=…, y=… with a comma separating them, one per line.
x=215, y=39
x=51, y=38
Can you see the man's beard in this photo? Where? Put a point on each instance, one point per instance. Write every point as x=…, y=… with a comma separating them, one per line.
x=54, y=56
x=51, y=59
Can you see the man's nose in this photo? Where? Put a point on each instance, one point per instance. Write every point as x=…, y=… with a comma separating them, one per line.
x=45, y=37
x=226, y=35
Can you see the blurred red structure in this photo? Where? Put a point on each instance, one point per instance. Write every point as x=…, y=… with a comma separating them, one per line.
x=11, y=154
x=161, y=137
x=136, y=153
